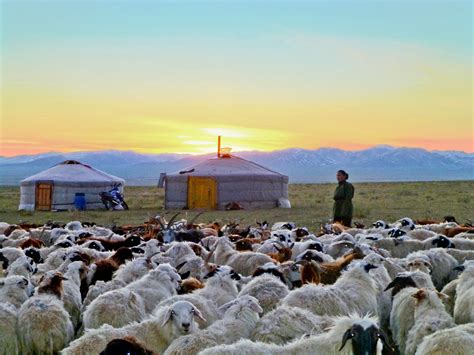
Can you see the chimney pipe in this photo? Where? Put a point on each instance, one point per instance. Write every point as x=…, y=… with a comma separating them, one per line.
x=218, y=146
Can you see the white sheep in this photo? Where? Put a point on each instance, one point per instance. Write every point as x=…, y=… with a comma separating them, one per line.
x=403, y=304
x=244, y=263
x=44, y=325
x=464, y=306
x=345, y=337
x=219, y=289
x=354, y=291
x=157, y=332
x=130, y=271
x=284, y=324
x=239, y=321
x=267, y=289
x=430, y=316
x=119, y=307
x=461, y=255
x=75, y=273
x=11, y=254
x=13, y=292
x=456, y=340
x=116, y=308
x=436, y=262
x=23, y=266
x=9, y=343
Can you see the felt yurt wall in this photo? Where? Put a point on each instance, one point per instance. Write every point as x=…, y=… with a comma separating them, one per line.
x=62, y=182
x=237, y=180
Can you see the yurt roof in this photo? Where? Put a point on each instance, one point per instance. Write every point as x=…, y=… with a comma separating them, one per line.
x=228, y=166
x=73, y=172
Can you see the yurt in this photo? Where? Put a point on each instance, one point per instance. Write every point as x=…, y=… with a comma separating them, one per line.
x=215, y=183
x=57, y=188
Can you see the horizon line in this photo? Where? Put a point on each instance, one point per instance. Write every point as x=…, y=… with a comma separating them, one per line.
x=239, y=151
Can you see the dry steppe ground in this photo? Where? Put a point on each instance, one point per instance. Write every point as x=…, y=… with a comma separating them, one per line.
x=312, y=205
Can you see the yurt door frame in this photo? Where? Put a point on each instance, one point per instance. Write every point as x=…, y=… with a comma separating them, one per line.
x=44, y=196
x=202, y=192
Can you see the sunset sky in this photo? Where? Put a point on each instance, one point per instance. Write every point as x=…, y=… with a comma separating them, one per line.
x=170, y=76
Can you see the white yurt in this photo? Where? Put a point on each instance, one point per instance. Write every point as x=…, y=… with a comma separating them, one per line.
x=57, y=187
x=227, y=179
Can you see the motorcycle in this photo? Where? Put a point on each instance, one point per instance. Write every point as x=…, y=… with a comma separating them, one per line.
x=113, y=199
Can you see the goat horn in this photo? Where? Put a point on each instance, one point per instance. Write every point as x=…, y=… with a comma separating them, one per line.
x=195, y=217
x=170, y=223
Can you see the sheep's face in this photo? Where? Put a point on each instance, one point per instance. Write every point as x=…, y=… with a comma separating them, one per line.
x=400, y=282
x=64, y=244
x=420, y=264
x=283, y=236
x=300, y=233
x=365, y=337
x=380, y=224
x=19, y=282
x=309, y=255
x=34, y=254
x=318, y=246
x=95, y=245
x=442, y=242
x=133, y=241
x=182, y=314
x=396, y=233
x=407, y=224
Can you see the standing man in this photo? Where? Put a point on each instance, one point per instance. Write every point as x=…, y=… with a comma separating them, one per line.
x=343, y=199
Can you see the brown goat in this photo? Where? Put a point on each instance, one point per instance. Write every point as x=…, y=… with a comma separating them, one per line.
x=31, y=242
x=189, y=285
x=310, y=272
x=245, y=244
x=283, y=254
x=51, y=283
x=330, y=271
x=105, y=268
x=451, y=232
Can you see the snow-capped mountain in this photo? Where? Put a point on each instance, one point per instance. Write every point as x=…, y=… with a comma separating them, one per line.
x=379, y=163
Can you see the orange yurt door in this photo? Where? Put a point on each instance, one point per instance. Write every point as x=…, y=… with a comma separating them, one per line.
x=202, y=192
x=44, y=194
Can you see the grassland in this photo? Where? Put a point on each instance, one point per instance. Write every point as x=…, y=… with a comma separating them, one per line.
x=312, y=205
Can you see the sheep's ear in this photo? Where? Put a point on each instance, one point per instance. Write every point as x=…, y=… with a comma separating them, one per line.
x=419, y=295
x=278, y=249
x=226, y=306
x=254, y=306
x=185, y=275
x=347, y=335
x=292, y=245
x=382, y=336
x=168, y=316
x=180, y=266
x=198, y=314
x=132, y=298
x=442, y=296
x=459, y=268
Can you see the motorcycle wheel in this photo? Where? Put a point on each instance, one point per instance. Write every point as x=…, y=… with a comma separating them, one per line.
x=124, y=205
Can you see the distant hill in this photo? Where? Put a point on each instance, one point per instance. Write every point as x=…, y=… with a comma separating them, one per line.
x=379, y=163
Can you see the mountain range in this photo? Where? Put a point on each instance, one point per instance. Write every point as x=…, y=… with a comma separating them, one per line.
x=379, y=163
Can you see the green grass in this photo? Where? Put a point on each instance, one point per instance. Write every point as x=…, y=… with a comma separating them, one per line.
x=312, y=205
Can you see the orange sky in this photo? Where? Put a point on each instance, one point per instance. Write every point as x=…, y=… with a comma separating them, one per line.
x=169, y=77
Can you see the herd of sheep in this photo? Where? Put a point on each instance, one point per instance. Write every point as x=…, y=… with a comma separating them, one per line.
x=178, y=287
